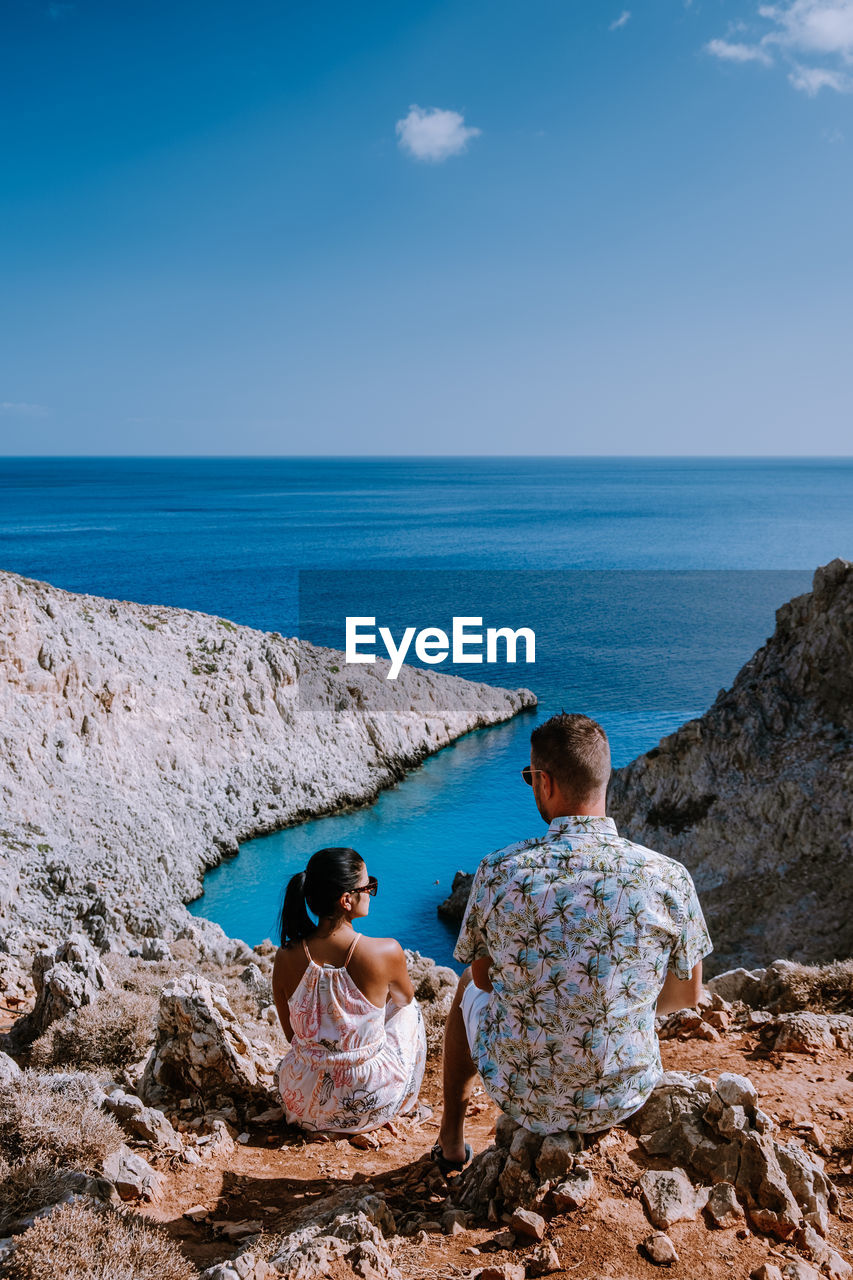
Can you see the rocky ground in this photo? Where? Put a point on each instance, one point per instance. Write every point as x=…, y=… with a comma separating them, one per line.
x=139, y=744
x=742, y=1159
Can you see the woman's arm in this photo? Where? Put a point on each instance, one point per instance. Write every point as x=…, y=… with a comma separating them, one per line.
x=400, y=986
x=279, y=992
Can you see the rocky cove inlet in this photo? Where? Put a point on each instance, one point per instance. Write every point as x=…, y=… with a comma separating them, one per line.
x=642, y=652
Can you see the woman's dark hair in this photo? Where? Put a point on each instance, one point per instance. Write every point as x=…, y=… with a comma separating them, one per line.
x=330, y=872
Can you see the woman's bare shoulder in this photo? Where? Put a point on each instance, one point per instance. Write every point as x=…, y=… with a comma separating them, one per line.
x=378, y=951
x=383, y=946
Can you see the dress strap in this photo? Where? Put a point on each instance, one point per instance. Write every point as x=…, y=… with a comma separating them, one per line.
x=355, y=943
x=307, y=952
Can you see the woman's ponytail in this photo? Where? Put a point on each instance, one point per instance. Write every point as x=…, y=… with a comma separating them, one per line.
x=295, y=920
x=329, y=874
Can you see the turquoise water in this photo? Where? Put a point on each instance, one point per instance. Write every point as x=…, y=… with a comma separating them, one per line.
x=640, y=651
x=230, y=537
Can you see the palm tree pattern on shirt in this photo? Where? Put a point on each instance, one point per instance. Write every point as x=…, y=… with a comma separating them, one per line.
x=582, y=927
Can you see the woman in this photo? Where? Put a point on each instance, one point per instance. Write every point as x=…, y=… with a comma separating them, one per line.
x=346, y=1003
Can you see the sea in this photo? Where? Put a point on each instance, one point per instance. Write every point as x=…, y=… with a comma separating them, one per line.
x=646, y=582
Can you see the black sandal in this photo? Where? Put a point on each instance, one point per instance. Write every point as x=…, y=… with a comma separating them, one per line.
x=450, y=1166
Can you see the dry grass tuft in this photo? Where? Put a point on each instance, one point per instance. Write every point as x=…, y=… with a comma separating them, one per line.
x=148, y=977
x=134, y=1007
x=827, y=988
x=28, y=1185
x=79, y=1242
x=56, y=1117
x=114, y=1032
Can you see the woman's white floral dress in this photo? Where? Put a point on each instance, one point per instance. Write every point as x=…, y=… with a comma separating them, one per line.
x=351, y=1065
x=582, y=928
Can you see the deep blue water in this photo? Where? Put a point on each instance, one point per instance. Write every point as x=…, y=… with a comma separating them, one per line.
x=643, y=651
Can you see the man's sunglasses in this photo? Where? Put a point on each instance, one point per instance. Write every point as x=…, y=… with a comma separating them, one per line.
x=527, y=774
x=372, y=887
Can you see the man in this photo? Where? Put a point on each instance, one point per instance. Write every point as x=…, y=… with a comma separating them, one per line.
x=574, y=940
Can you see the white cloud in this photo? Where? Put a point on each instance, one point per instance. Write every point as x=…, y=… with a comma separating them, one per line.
x=624, y=16
x=433, y=134
x=806, y=34
x=811, y=80
x=730, y=51
x=812, y=26
x=20, y=409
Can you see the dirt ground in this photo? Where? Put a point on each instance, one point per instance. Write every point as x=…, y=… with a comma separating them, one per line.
x=276, y=1173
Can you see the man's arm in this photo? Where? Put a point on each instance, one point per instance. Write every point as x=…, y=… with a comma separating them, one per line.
x=480, y=973
x=679, y=993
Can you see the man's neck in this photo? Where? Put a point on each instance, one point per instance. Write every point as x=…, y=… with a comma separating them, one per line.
x=589, y=808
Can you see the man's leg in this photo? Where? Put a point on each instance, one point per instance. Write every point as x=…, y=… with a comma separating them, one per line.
x=458, y=1075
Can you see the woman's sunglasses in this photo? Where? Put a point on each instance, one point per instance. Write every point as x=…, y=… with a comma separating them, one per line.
x=372, y=887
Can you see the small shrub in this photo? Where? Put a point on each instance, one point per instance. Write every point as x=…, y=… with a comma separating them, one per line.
x=827, y=988
x=148, y=977
x=57, y=1117
x=82, y=1242
x=113, y=1032
x=28, y=1185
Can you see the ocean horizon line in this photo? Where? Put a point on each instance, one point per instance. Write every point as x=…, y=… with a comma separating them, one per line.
x=425, y=457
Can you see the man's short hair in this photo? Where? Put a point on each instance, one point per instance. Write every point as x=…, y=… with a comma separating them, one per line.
x=575, y=751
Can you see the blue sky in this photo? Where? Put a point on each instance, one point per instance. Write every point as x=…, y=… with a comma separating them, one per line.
x=243, y=228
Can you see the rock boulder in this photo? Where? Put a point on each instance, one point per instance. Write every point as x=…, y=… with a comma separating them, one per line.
x=201, y=1049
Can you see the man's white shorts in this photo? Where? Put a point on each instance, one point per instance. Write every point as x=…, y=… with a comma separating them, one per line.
x=474, y=1005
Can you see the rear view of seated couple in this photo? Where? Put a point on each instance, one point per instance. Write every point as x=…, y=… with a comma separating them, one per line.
x=573, y=940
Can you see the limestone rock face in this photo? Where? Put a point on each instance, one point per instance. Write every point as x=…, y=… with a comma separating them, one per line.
x=200, y=1048
x=720, y=1155
x=140, y=744
x=140, y=1121
x=756, y=796
x=65, y=979
x=351, y=1226
x=808, y=1032
x=132, y=1175
x=669, y=1197
x=689, y=1120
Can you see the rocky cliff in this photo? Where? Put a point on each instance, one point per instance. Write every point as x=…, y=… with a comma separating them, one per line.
x=139, y=744
x=756, y=796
